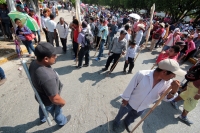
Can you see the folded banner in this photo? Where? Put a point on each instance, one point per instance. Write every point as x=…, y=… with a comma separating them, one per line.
x=78, y=13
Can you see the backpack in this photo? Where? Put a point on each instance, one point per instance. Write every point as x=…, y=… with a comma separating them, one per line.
x=89, y=39
x=96, y=30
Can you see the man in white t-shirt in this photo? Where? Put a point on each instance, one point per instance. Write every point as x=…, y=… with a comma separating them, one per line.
x=44, y=19
x=52, y=33
x=53, y=10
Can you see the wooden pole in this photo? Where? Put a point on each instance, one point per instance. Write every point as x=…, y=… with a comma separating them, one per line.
x=114, y=65
x=151, y=110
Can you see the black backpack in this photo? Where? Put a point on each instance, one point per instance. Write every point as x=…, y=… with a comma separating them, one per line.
x=96, y=30
x=89, y=39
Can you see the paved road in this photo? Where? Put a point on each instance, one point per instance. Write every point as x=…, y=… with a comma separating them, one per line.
x=92, y=99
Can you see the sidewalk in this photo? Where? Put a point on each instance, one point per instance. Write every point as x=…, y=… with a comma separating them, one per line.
x=7, y=49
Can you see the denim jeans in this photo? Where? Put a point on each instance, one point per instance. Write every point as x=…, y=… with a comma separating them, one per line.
x=101, y=48
x=56, y=112
x=29, y=46
x=130, y=117
x=2, y=74
x=38, y=34
x=165, y=48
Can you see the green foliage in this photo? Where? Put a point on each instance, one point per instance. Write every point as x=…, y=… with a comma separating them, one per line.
x=178, y=9
x=2, y=1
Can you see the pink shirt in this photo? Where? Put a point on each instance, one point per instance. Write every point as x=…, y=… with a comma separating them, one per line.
x=190, y=47
x=170, y=38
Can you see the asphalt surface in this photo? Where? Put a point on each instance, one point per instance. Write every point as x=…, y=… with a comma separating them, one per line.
x=92, y=99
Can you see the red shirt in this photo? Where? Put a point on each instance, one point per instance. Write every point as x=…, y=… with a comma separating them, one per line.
x=165, y=55
x=76, y=32
x=159, y=31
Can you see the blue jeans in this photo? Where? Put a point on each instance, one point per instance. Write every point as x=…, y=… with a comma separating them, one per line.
x=29, y=46
x=131, y=116
x=56, y=113
x=165, y=48
x=2, y=74
x=101, y=48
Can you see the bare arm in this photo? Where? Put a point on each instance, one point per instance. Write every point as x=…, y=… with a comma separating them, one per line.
x=57, y=100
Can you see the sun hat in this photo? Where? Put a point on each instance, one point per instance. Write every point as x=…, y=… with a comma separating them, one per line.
x=172, y=66
x=141, y=26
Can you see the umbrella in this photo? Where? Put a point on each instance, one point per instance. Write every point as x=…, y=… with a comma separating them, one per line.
x=133, y=15
x=26, y=20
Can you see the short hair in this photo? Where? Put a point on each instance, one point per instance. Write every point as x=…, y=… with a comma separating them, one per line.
x=45, y=11
x=160, y=70
x=75, y=21
x=16, y=20
x=51, y=16
x=176, y=48
x=127, y=27
x=132, y=43
x=92, y=19
x=101, y=20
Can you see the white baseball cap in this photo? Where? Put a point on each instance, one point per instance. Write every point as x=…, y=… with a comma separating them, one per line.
x=172, y=66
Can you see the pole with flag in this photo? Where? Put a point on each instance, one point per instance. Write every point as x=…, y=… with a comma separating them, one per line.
x=150, y=25
x=78, y=17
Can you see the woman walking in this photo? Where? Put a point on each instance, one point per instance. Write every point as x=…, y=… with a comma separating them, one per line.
x=22, y=32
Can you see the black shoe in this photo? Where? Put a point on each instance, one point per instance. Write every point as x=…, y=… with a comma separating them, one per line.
x=124, y=72
x=129, y=72
x=78, y=67
x=126, y=127
x=85, y=65
x=104, y=69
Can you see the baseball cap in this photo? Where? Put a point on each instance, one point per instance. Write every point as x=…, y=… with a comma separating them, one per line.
x=123, y=32
x=172, y=66
x=45, y=49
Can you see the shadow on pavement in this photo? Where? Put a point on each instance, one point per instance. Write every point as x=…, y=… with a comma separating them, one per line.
x=115, y=102
x=106, y=128
x=64, y=70
x=149, y=61
x=161, y=117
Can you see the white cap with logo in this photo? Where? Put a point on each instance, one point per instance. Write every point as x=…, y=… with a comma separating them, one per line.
x=172, y=66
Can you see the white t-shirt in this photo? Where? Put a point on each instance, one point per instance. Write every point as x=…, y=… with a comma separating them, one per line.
x=43, y=21
x=62, y=30
x=53, y=9
x=51, y=25
x=128, y=37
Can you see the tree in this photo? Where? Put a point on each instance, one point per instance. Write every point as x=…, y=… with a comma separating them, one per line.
x=177, y=9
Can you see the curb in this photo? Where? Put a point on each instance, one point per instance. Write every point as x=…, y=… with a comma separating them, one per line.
x=11, y=56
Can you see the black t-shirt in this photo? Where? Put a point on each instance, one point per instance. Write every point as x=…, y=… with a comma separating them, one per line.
x=46, y=81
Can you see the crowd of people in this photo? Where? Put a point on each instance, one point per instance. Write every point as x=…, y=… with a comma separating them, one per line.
x=98, y=30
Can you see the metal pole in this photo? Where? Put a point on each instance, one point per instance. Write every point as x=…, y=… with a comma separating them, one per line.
x=36, y=93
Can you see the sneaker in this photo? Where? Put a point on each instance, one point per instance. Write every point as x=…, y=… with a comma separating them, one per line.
x=185, y=120
x=97, y=59
x=174, y=104
x=2, y=81
x=104, y=69
x=85, y=65
x=78, y=67
x=124, y=72
x=68, y=119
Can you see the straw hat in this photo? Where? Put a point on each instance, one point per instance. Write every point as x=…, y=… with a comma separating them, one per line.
x=162, y=24
x=141, y=26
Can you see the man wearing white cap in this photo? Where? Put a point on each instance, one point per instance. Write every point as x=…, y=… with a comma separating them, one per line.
x=145, y=88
